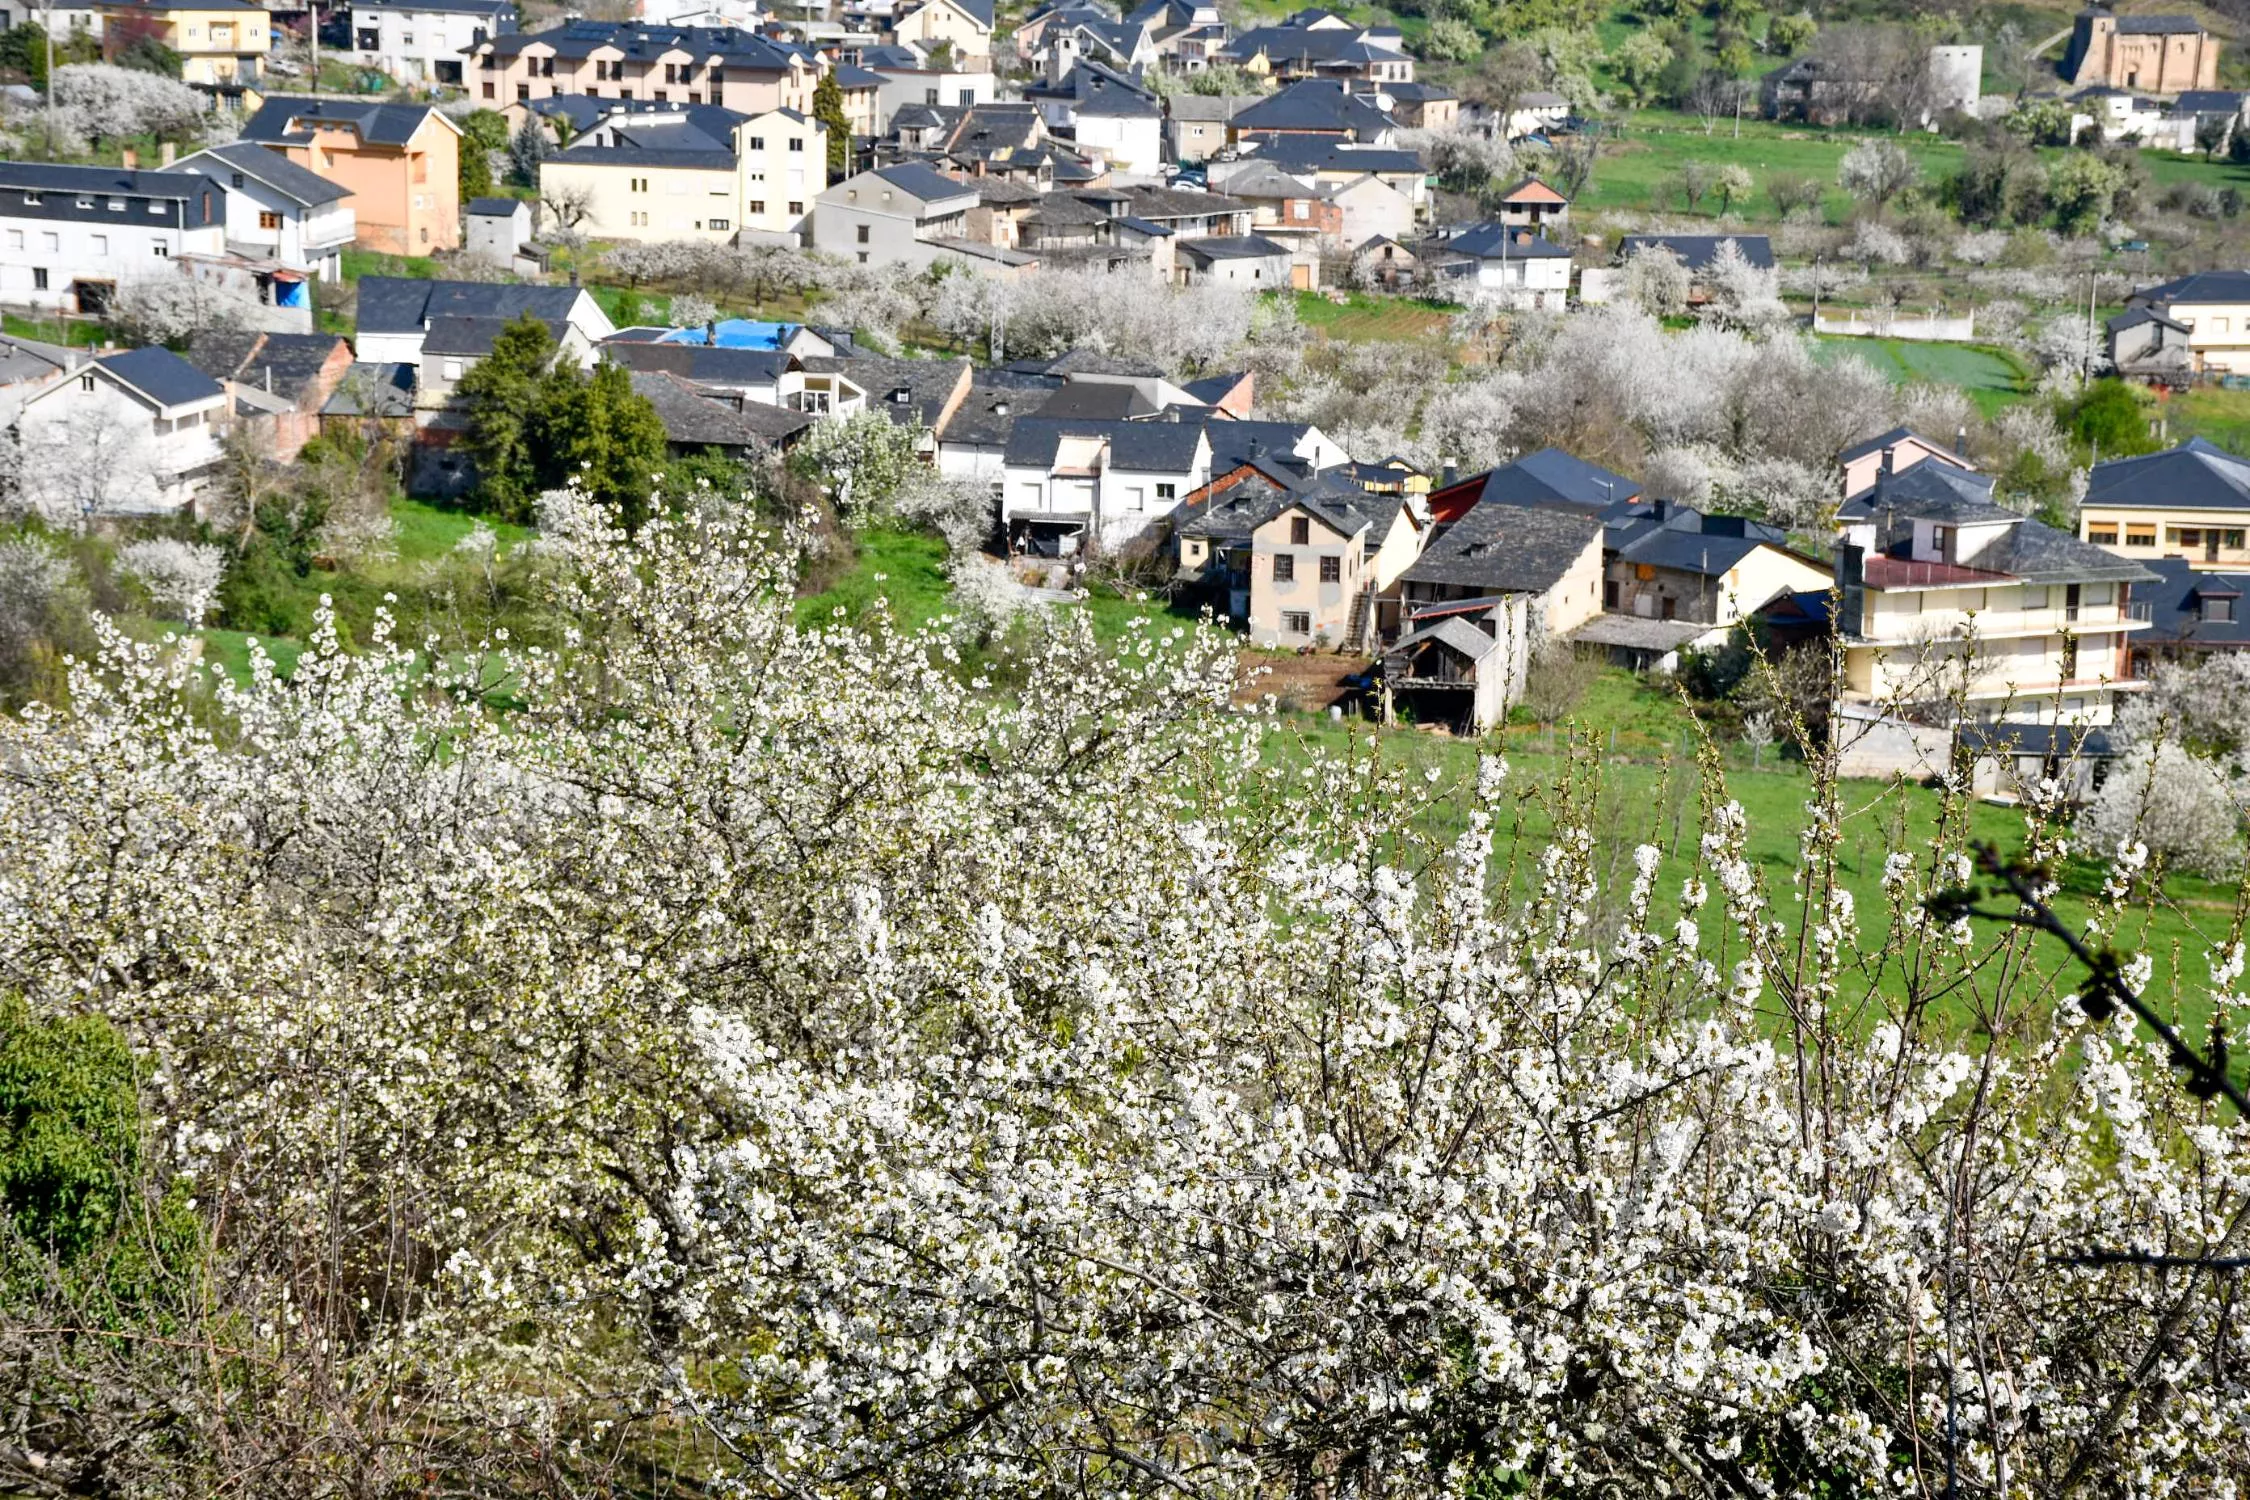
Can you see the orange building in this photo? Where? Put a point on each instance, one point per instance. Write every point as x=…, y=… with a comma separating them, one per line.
x=2141, y=54
x=401, y=162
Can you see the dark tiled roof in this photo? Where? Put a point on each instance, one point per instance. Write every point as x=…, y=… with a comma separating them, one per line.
x=373, y=390
x=400, y=304
x=1502, y=241
x=2175, y=603
x=376, y=123
x=1235, y=443
x=494, y=208
x=1085, y=362
x=2134, y=317
x=1553, y=477
x=1303, y=153
x=286, y=363
x=2194, y=476
x=583, y=38
x=1928, y=492
x=2210, y=102
x=1507, y=549
x=2037, y=739
x=468, y=336
x=699, y=363
x=2201, y=286
x=276, y=171
x=1147, y=447
x=988, y=413
x=1891, y=439
x=1100, y=400
x=1697, y=251
x=1231, y=247
x=162, y=376
x=694, y=420
x=926, y=383
x=2156, y=25
x=922, y=182
x=1315, y=104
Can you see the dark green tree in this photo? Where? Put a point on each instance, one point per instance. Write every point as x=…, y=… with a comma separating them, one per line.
x=527, y=150
x=605, y=438
x=69, y=1127
x=2106, y=418
x=506, y=395
x=483, y=133
x=23, y=49
x=828, y=109
x=148, y=55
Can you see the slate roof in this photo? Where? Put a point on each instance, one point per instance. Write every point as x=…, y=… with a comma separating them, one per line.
x=287, y=363
x=2200, y=286
x=384, y=389
x=1507, y=549
x=1697, y=251
x=1085, y=361
x=1147, y=447
x=378, y=124
x=1553, y=477
x=1303, y=153
x=2210, y=102
x=693, y=420
x=1929, y=492
x=1231, y=247
x=1106, y=94
x=2134, y=317
x=927, y=383
x=852, y=76
x=1303, y=45
x=2156, y=25
x=1234, y=443
x=2175, y=603
x=580, y=39
x=2042, y=740
x=28, y=359
x=493, y=208
x=306, y=188
x=2029, y=550
x=700, y=363
x=1502, y=241
x=1314, y=104
x=980, y=419
x=2196, y=475
x=162, y=376
x=1100, y=400
x=1213, y=388
x=401, y=304
x=440, y=7
x=472, y=337
x=925, y=183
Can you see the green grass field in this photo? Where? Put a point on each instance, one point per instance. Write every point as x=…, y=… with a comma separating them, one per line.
x=2208, y=412
x=1992, y=377
x=1361, y=316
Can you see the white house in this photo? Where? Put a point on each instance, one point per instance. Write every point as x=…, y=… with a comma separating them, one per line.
x=422, y=41
x=495, y=229
x=395, y=314
x=898, y=215
x=134, y=433
x=1519, y=265
x=1071, y=486
x=70, y=235
x=278, y=210
x=1249, y=260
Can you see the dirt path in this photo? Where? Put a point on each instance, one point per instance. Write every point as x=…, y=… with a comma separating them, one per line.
x=1312, y=681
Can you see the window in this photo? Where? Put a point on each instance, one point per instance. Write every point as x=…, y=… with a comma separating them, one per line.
x=101, y=244
x=85, y=382
x=83, y=203
x=1671, y=608
x=2140, y=536
x=1304, y=209
x=488, y=89
x=1295, y=622
x=15, y=239
x=722, y=224
x=968, y=97
x=796, y=207
x=1300, y=531
x=49, y=240
x=161, y=247
x=1136, y=497
x=636, y=184
x=267, y=219
x=2102, y=536
x=31, y=200
x=1609, y=593
x=757, y=143
x=663, y=96
x=238, y=179
x=39, y=279
x=2034, y=597
x=2187, y=536
x=1284, y=568
x=929, y=96
x=453, y=369
x=757, y=205
x=1167, y=492
x=523, y=91
x=863, y=257
x=2218, y=611
x=1331, y=570
x=796, y=143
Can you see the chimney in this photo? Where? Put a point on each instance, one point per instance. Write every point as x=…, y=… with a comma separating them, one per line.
x=711, y=332
x=1449, y=470
x=1890, y=455
x=131, y=159
x=1658, y=509
x=269, y=380
x=574, y=276
x=1961, y=442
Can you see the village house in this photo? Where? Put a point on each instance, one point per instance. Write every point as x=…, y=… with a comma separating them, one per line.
x=396, y=314
x=1546, y=479
x=277, y=382
x=1698, y=252
x=1532, y=204
x=70, y=236
x=1184, y=34
x=2146, y=54
x=498, y=230
x=1949, y=598
x=964, y=26
x=2145, y=345
x=1329, y=163
x=2214, y=307
x=221, y=43
x=1417, y=106
x=1074, y=486
x=2191, y=502
x=1249, y=260
x=1198, y=127
x=1535, y=112
x=1517, y=266
x=1107, y=114
x=2191, y=612
x=277, y=210
x=1890, y=452
x=1320, y=44
x=401, y=163
x=1675, y=577
x=899, y=215
x=721, y=65
x=425, y=41
x=908, y=76
x=702, y=421
x=694, y=172
x=147, y=417
x=1316, y=107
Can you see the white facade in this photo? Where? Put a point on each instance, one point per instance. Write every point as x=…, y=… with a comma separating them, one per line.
x=1118, y=504
x=902, y=86
x=424, y=44
x=263, y=220
x=1132, y=144
x=1535, y=281
x=135, y=457
x=53, y=263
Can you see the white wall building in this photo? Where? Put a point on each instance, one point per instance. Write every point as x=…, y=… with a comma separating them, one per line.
x=135, y=433
x=1069, y=485
x=69, y=236
x=422, y=41
x=277, y=210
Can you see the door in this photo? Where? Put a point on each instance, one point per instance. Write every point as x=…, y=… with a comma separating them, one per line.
x=1300, y=278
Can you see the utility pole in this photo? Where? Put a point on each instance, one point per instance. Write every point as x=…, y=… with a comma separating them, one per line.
x=47, y=11
x=312, y=30
x=2086, y=360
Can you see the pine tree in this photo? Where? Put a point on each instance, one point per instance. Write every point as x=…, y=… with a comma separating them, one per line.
x=505, y=395
x=828, y=109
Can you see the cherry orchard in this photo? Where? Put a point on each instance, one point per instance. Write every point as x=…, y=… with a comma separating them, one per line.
x=793, y=1048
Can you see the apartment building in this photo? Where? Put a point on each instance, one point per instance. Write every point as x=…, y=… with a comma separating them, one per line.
x=277, y=210
x=220, y=42
x=1948, y=596
x=719, y=65
x=695, y=172
x=70, y=236
x=2191, y=502
x=425, y=41
x=400, y=161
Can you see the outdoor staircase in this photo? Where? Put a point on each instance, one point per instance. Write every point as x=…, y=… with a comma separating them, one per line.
x=1359, y=629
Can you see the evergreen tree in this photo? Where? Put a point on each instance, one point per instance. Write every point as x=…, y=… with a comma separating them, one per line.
x=506, y=395
x=828, y=109
x=483, y=133
x=606, y=439
x=527, y=151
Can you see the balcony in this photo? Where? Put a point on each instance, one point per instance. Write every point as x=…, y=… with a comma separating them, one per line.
x=1888, y=628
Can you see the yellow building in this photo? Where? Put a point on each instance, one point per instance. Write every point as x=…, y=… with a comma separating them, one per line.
x=691, y=173
x=219, y=41
x=2190, y=502
x=2214, y=307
